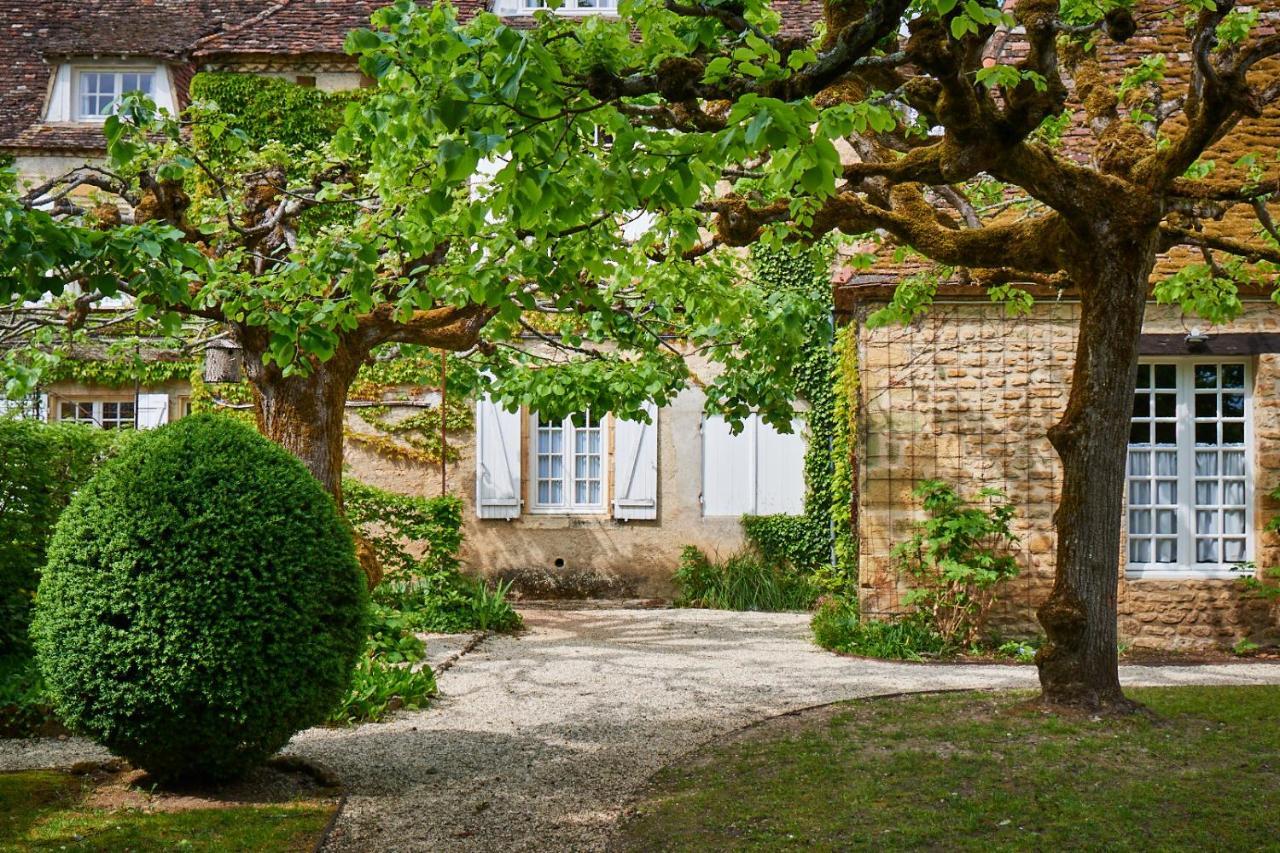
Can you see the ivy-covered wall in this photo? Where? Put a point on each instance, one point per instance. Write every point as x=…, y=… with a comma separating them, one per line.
x=268, y=109
x=827, y=380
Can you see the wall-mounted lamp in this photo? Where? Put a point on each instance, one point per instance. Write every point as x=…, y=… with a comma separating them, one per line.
x=1197, y=340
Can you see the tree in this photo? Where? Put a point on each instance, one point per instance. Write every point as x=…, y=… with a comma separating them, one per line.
x=897, y=122
x=315, y=258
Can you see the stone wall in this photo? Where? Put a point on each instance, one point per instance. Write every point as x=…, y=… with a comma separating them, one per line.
x=966, y=395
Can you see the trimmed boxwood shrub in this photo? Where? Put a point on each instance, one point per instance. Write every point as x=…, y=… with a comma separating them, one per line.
x=202, y=602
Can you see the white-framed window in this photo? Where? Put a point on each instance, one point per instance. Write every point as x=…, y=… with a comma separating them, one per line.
x=1189, y=485
x=107, y=414
x=568, y=460
x=568, y=7
x=99, y=90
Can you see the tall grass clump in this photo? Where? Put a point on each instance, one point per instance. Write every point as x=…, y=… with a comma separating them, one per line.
x=743, y=581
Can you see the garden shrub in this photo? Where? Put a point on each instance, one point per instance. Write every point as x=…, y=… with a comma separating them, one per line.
x=201, y=603
x=417, y=540
x=956, y=558
x=837, y=626
x=41, y=465
x=743, y=581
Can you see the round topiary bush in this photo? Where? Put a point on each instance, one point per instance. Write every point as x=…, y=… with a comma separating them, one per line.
x=202, y=602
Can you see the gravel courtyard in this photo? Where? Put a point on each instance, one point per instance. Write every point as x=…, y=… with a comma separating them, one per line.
x=538, y=741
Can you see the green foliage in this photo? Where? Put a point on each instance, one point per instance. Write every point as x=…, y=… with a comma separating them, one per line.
x=265, y=110
x=837, y=626
x=956, y=558
x=743, y=581
x=417, y=540
x=24, y=704
x=41, y=466
x=802, y=542
x=121, y=372
x=202, y=602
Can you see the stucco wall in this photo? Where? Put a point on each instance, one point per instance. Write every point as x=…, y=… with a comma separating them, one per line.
x=966, y=395
x=590, y=555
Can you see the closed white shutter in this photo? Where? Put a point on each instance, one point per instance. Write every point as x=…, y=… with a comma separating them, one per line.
x=153, y=410
x=497, y=461
x=780, y=469
x=728, y=467
x=635, y=467
x=45, y=413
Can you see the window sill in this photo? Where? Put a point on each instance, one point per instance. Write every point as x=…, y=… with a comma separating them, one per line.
x=1184, y=575
x=599, y=512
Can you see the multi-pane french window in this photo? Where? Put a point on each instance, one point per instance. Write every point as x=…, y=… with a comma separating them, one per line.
x=1188, y=468
x=107, y=414
x=569, y=464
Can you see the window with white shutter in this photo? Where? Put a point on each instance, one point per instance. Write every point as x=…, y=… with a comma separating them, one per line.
x=153, y=410
x=497, y=461
x=568, y=459
x=759, y=471
x=635, y=461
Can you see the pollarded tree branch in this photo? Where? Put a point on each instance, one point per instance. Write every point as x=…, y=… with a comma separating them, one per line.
x=1174, y=236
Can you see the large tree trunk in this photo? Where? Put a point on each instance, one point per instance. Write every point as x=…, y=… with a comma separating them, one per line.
x=1078, y=665
x=306, y=415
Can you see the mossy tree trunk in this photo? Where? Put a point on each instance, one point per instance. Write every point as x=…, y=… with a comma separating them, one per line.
x=1078, y=665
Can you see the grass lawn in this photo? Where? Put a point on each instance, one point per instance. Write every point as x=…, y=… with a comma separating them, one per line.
x=44, y=810
x=975, y=771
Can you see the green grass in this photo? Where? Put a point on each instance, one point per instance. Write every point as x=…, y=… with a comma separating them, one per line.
x=743, y=581
x=974, y=771
x=42, y=810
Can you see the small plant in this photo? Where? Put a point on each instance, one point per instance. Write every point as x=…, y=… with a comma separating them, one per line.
x=1023, y=651
x=744, y=581
x=956, y=559
x=1261, y=583
x=837, y=626
x=1245, y=648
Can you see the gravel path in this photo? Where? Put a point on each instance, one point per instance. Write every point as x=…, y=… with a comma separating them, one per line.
x=537, y=742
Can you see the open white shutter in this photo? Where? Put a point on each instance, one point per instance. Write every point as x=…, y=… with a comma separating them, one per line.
x=780, y=469
x=728, y=467
x=635, y=467
x=153, y=410
x=497, y=461
x=45, y=413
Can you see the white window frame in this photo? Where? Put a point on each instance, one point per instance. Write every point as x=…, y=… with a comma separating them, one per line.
x=117, y=73
x=97, y=409
x=568, y=506
x=518, y=8
x=1186, y=567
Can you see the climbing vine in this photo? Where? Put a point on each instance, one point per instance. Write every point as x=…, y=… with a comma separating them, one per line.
x=120, y=372
x=822, y=539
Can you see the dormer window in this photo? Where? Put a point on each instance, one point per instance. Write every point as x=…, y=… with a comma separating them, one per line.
x=98, y=91
x=89, y=90
x=568, y=7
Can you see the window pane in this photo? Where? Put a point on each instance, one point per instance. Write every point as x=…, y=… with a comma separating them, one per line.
x=1233, y=405
x=1140, y=493
x=1233, y=492
x=1207, y=433
x=1233, y=521
x=595, y=492
x=1206, y=492
x=1142, y=405
x=1166, y=550
x=1233, y=376
x=1166, y=376
x=544, y=492
x=1166, y=405
x=1206, y=521
x=1233, y=463
x=1206, y=405
x=1233, y=433
x=1206, y=463
x=1140, y=463
x=1206, y=550
x=1166, y=492
x=1139, y=521
x=1144, y=376
x=1139, y=550
x=1166, y=521
x=1167, y=462
x=1232, y=550
x=1206, y=375
x=1140, y=433
x=1167, y=433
